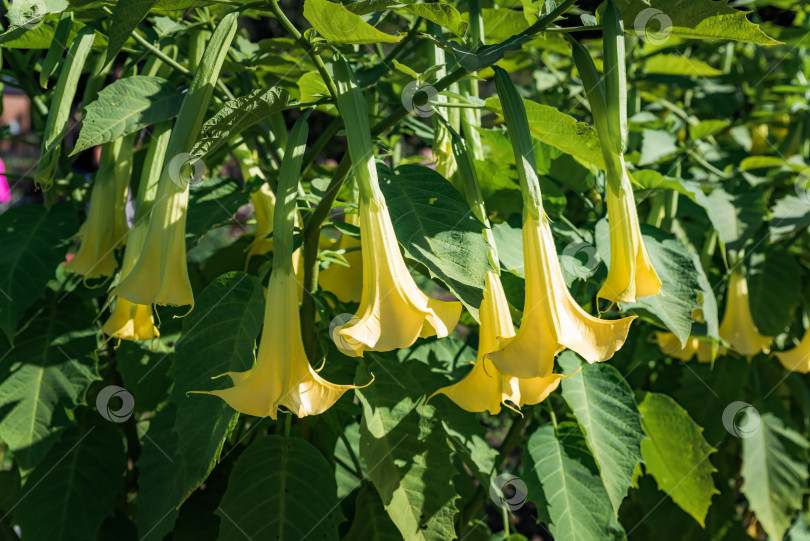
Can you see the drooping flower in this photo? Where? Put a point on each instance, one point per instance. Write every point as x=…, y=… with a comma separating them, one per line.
x=393, y=312
x=738, y=327
x=105, y=229
x=485, y=388
x=631, y=274
x=263, y=202
x=552, y=319
x=282, y=376
x=345, y=282
x=671, y=345
x=798, y=358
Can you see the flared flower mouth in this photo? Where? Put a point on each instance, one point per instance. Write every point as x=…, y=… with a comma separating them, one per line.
x=129, y=321
x=671, y=345
x=552, y=319
x=390, y=294
x=486, y=388
x=631, y=274
x=738, y=327
x=798, y=358
x=282, y=379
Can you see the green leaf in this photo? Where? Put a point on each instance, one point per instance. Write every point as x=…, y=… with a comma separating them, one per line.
x=677, y=455
x=698, y=19
x=674, y=64
x=218, y=337
x=559, y=130
x=735, y=216
x=445, y=15
x=126, y=14
x=45, y=374
x=435, y=226
x=25, y=15
x=579, y=506
x=406, y=450
x=774, y=472
x=33, y=245
x=338, y=25
x=370, y=520
x=213, y=203
x=75, y=487
x=655, y=145
x=238, y=115
x=144, y=370
x=774, y=277
x=789, y=214
x=281, y=489
x=126, y=106
x=603, y=404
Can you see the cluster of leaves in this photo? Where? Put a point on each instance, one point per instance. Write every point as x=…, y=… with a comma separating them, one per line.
x=637, y=447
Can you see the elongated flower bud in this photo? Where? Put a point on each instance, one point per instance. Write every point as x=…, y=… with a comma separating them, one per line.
x=738, y=327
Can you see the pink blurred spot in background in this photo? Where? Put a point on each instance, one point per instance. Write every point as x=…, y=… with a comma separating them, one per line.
x=5, y=193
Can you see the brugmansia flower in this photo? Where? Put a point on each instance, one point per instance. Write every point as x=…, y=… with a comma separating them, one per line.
x=631, y=274
x=738, y=327
x=160, y=275
x=393, y=312
x=798, y=358
x=345, y=282
x=105, y=229
x=671, y=346
x=552, y=319
x=485, y=388
x=263, y=202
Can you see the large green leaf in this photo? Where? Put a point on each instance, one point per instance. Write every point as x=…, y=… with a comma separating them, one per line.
x=126, y=14
x=46, y=374
x=443, y=14
x=789, y=214
x=579, y=506
x=562, y=131
x=603, y=404
x=699, y=19
x=774, y=277
x=735, y=216
x=436, y=227
x=212, y=203
x=338, y=25
x=33, y=245
x=218, y=337
x=280, y=489
x=238, y=115
x=126, y=106
x=406, y=451
x=676, y=454
x=75, y=487
x=774, y=472
x=370, y=520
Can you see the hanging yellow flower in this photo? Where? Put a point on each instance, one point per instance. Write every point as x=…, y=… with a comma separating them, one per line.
x=631, y=274
x=670, y=345
x=389, y=294
x=798, y=358
x=345, y=282
x=263, y=202
x=105, y=229
x=738, y=327
x=485, y=388
x=552, y=319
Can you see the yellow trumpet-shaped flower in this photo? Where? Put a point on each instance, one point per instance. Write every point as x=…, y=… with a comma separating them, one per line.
x=738, y=327
x=631, y=275
x=345, y=282
x=552, y=319
x=282, y=376
x=160, y=275
x=105, y=229
x=671, y=346
x=485, y=388
x=393, y=312
x=798, y=358
x=264, y=201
